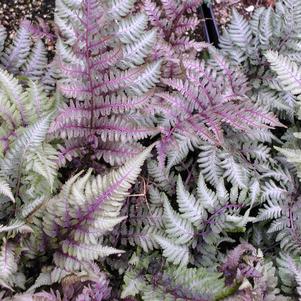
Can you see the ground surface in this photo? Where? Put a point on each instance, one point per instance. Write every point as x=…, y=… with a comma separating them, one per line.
x=13, y=11
x=222, y=8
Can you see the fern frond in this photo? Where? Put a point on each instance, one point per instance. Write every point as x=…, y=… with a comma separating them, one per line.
x=16, y=226
x=288, y=72
x=190, y=208
x=30, y=139
x=37, y=62
x=10, y=86
x=43, y=161
x=120, y=8
x=234, y=172
x=206, y=195
x=177, y=254
x=266, y=27
x=3, y=35
x=30, y=208
x=130, y=29
x=8, y=260
x=210, y=163
x=6, y=190
x=36, y=101
x=177, y=227
x=108, y=76
x=135, y=53
x=82, y=209
x=15, y=55
x=240, y=30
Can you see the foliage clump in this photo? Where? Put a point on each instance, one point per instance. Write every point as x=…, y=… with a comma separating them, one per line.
x=139, y=163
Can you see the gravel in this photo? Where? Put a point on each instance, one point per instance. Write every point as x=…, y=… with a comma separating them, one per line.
x=13, y=11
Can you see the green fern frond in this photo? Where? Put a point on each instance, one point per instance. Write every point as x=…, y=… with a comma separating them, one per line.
x=43, y=162
x=30, y=139
x=6, y=190
x=90, y=206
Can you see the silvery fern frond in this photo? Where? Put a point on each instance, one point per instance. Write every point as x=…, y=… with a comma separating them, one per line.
x=120, y=8
x=270, y=28
x=20, y=107
x=5, y=189
x=203, y=217
x=110, y=80
x=288, y=72
x=27, y=55
x=209, y=96
x=43, y=161
x=31, y=138
x=240, y=30
x=289, y=272
x=86, y=208
x=15, y=56
x=8, y=263
x=14, y=110
x=171, y=282
x=36, y=63
x=25, y=118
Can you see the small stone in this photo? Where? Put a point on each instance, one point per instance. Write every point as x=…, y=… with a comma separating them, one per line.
x=250, y=8
x=223, y=20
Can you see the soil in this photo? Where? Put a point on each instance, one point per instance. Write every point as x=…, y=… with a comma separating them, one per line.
x=13, y=11
x=222, y=9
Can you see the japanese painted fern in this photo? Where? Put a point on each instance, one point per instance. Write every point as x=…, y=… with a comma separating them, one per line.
x=107, y=81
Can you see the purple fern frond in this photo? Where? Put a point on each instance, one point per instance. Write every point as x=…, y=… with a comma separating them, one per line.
x=171, y=8
x=185, y=24
x=115, y=128
x=105, y=89
x=86, y=291
x=41, y=30
x=154, y=15
x=94, y=292
x=110, y=152
x=203, y=100
x=173, y=20
x=236, y=267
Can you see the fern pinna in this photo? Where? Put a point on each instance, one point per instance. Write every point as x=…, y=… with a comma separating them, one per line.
x=107, y=82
